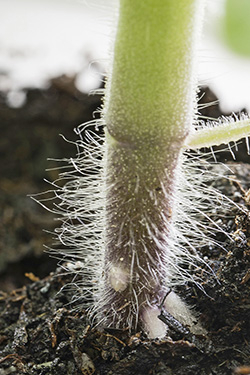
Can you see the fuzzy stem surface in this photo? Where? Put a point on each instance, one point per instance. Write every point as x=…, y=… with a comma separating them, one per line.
x=230, y=130
x=149, y=109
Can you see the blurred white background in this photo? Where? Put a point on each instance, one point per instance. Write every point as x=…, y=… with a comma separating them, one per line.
x=41, y=39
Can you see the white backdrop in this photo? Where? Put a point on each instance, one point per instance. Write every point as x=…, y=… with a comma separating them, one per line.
x=40, y=39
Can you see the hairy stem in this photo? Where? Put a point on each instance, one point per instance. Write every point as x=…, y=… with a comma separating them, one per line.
x=149, y=109
x=228, y=130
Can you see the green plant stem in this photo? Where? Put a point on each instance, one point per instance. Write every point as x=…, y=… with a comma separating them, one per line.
x=151, y=91
x=230, y=130
x=149, y=109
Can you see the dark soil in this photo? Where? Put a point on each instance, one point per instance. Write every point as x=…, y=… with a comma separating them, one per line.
x=40, y=331
x=30, y=135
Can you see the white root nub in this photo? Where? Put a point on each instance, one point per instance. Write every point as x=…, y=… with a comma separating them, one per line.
x=118, y=278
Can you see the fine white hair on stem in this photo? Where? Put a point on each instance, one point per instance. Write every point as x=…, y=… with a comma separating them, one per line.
x=135, y=209
x=80, y=199
x=224, y=130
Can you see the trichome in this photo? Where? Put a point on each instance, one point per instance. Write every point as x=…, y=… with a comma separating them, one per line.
x=133, y=207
